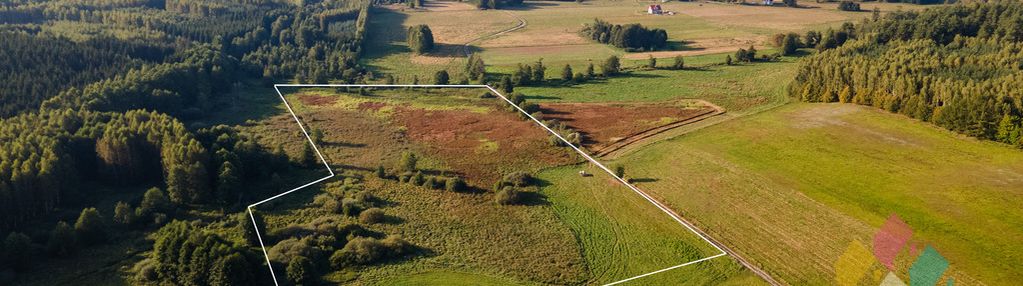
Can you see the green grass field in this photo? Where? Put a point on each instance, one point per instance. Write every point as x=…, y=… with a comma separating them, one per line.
x=738, y=88
x=807, y=179
x=622, y=235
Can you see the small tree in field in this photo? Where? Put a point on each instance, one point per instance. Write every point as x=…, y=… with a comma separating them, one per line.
x=308, y=156
x=566, y=73
x=590, y=73
x=89, y=227
x=441, y=77
x=506, y=85
x=408, y=162
x=728, y=59
x=679, y=63
x=420, y=39
x=790, y=44
x=619, y=171
x=380, y=173
x=651, y=62
x=611, y=67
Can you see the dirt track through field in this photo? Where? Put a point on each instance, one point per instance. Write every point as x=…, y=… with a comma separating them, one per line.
x=641, y=135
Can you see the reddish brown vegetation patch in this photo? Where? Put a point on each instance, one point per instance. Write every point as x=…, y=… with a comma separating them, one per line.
x=464, y=140
x=316, y=100
x=374, y=106
x=606, y=123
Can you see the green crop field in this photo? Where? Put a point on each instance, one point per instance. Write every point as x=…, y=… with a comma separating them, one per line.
x=811, y=178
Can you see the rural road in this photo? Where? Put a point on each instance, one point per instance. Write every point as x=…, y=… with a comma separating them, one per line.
x=522, y=24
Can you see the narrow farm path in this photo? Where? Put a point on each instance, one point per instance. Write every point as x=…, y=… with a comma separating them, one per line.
x=522, y=24
x=645, y=134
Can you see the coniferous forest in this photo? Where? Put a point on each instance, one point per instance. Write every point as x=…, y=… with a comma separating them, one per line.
x=111, y=94
x=958, y=67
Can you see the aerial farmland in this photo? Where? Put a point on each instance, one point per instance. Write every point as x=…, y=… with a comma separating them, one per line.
x=511, y=142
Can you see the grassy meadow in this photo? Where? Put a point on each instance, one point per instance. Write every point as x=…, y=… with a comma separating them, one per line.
x=567, y=234
x=808, y=179
x=622, y=235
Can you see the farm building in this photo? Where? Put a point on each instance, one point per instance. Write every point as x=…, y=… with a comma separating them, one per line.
x=769, y=2
x=653, y=9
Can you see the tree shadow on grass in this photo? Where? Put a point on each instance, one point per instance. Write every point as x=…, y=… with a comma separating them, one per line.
x=682, y=46
x=643, y=180
x=342, y=144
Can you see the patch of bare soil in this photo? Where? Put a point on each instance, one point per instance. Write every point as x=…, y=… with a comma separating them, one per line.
x=603, y=124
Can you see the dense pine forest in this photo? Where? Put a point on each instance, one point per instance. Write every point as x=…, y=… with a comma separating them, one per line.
x=110, y=94
x=958, y=67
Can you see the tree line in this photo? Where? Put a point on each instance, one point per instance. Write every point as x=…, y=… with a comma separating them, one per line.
x=957, y=67
x=632, y=37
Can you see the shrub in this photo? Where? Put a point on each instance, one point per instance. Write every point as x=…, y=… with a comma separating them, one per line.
x=381, y=173
x=328, y=202
x=790, y=44
x=367, y=250
x=679, y=63
x=441, y=77
x=89, y=227
x=351, y=207
x=408, y=162
x=728, y=60
x=372, y=216
x=566, y=73
x=506, y=85
x=651, y=62
x=291, y=248
x=611, y=67
x=848, y=6
x=518, y=179
x=455, y=185
x=778, y=39
x=17, y=250
x=62, y=240
x=579, y=77
x=430, y=182
x=420, y=39
x=417, y=179
x=517, y=98
x=124, y=214
x=300, y=271
x=153, y=201
x=530, y=107
x=619, y=171
x=508, y=196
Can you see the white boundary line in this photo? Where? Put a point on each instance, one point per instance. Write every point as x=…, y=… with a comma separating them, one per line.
x=538, y=122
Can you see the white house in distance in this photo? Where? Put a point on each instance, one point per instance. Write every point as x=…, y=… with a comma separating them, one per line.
x=769, y=2
x=653, y=9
